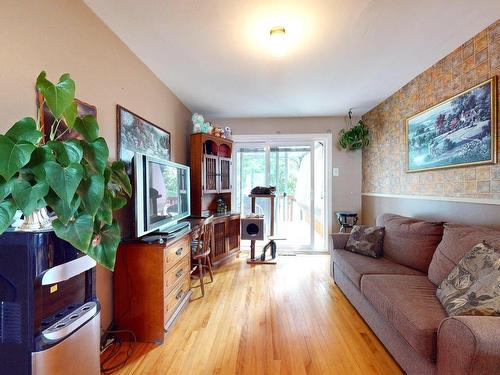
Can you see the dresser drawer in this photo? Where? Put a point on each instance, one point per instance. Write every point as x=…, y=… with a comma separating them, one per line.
x=175, y=297
x=176, y=252
x=176, y=273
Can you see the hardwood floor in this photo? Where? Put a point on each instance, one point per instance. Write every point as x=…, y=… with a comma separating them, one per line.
x=265, y=319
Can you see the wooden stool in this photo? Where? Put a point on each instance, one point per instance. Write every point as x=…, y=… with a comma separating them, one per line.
x=201, y=248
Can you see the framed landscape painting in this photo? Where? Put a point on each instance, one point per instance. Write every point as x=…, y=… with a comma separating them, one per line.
x=459, y=131
x=136, y=134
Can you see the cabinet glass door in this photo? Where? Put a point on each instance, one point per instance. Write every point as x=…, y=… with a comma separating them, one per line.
x=210, y=174
x=225, y=166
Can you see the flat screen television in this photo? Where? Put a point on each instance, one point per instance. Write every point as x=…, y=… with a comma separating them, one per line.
x=162, y=194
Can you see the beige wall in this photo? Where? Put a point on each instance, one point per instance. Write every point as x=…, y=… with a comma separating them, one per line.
x=62, y=36
x=347, y=186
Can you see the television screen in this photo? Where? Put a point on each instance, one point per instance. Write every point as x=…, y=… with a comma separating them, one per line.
x=162, y=195
x=167, y=196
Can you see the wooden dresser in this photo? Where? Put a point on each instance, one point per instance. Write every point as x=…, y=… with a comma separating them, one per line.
x=151, y=286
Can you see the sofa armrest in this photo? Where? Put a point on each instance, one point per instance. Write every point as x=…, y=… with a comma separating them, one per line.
x=469, y=345
x=340, y=240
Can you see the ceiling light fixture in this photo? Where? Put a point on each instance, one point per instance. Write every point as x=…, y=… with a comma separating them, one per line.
x=277, y=32
x=278, y=41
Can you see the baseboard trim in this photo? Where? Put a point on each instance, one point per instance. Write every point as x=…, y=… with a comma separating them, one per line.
x=494, y=202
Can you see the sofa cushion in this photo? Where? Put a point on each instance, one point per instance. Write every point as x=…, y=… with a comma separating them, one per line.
x=366, y=240
x=410, y=242
x=355, y=266
x=410, y=305
x=457, y=240
x=473, y=285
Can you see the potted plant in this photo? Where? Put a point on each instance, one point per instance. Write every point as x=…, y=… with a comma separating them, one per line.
x=354, y=137
x=73, y=177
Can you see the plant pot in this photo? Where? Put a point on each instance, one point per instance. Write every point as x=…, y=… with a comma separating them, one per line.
x=38, y=221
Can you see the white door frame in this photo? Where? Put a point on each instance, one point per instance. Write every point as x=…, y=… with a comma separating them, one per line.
x=326, y=138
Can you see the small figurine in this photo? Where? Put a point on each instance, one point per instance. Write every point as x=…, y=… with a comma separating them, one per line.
x=221, y=205
x=217, y=132
x=209, y=128
x=227, y=132
x=198, y=122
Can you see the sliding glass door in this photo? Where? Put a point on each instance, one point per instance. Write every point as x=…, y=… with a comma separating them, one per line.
x=296, y=169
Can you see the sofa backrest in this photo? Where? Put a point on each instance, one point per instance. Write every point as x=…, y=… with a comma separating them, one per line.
x=409, y=241
x=457, y=240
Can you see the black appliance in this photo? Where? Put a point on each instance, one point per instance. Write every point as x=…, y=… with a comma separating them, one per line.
x=49, y=313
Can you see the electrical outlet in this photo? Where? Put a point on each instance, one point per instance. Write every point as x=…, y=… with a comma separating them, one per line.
x=335, y=172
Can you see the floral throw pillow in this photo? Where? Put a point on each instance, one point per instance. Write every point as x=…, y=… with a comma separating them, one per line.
x=366, y=240
x=473, y=285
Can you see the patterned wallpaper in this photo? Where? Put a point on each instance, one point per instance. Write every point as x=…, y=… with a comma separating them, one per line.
x=384, y=160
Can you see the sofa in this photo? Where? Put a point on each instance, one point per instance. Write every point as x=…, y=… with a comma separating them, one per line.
x=396, y=296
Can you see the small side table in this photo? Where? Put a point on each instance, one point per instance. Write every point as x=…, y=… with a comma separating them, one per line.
x=346, y=220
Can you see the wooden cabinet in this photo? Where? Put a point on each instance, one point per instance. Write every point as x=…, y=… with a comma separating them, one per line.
x=226, y=241
x=211, y=178
x=211, y=172
x=151, y=286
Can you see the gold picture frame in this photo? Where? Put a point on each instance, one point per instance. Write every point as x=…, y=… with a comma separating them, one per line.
x=451, y=132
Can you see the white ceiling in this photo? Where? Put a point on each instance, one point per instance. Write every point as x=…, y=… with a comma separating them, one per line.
x=214, y=54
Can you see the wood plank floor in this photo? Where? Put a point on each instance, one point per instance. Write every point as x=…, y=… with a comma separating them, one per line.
x=265, y=319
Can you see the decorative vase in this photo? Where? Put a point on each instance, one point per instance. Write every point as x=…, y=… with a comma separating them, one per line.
x=38, y=221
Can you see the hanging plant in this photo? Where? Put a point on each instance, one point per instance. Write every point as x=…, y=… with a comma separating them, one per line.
x=73, y=177
x=354, y=137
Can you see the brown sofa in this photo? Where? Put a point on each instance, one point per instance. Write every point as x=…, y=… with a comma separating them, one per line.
x=396, y=296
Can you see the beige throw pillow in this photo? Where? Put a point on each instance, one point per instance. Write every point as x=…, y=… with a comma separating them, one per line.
x=473, y=285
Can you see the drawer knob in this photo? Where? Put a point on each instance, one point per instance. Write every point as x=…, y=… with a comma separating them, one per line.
x=179, y=273
x=179, y=295
x=179, y=251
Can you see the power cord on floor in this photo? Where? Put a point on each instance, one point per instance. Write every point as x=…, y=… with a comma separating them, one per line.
x=111, y=349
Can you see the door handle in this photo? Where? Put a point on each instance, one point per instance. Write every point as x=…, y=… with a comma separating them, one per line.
x=179, y=251
x=179, y=273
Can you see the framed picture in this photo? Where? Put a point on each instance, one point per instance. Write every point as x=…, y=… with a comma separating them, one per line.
x=457, y=132
x=46, y=119
x=136, y=134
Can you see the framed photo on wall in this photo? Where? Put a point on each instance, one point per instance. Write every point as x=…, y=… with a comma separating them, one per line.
x=46, y=119
x=457, y=132
x=136, y=134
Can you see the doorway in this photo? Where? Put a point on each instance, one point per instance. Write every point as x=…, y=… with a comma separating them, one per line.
x=296, y=165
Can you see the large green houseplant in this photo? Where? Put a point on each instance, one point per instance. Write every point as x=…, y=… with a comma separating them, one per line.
x=73, y=177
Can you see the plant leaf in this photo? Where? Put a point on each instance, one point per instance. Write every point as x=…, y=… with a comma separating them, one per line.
x=96, y=154
x=59, y=96
x=70, y=115
x=63, y=180
x=87, y=126
x=27, y=197
x=77, y=232
x=104, y=244
x=13, y=156
x=39, y=157
x=67, y=152
x=91, y=191
x=105, y=210
x=63, y=210
x=7, y=211
x=120, y=177
x=24, y=130
x=5, y=188
x=118, y=202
